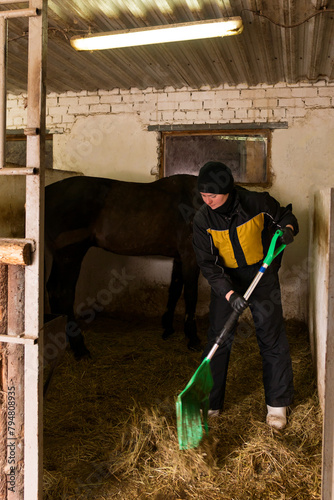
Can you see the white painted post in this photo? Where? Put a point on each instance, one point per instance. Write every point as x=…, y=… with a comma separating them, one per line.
x=328, y=425
x=34, y=282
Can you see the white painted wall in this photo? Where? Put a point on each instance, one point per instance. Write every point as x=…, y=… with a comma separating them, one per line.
x=104, y=133
x=113, y=146
x=302, y=162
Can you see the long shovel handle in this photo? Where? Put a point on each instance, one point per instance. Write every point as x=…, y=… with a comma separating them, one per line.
x=233, y=319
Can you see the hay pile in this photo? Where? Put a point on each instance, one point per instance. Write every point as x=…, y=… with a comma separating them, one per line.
x=110, y=429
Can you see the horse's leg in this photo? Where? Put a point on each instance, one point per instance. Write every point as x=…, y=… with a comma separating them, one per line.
x=190, y=271
x=61, y=290
x=174, y=293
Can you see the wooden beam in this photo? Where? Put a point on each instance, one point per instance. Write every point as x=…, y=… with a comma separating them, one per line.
x=16, y=251
x=3, y=90
x=194, y=127
x=15, y=373
x=34, y=274
x=3, y=381
x=3, y=298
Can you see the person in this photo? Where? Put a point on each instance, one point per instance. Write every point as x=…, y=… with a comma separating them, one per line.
x=232, y=232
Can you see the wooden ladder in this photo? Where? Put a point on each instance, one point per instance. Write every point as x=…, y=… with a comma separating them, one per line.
x=22, y=280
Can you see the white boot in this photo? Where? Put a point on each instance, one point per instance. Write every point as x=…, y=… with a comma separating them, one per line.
x=213, y=413
x=276, y=417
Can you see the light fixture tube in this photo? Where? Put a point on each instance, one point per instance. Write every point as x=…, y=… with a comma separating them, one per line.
x=159, y=34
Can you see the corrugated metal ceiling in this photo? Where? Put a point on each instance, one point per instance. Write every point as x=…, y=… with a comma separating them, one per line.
x=282, y=41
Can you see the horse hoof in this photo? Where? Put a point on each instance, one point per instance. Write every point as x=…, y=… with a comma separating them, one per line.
x=82, y=354
x=167, y=333
x=194, y=345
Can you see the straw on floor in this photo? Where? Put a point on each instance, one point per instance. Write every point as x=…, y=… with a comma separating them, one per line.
x=110, y=423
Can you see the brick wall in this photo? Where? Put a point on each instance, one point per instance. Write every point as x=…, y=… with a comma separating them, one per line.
x=263, y=103
x=301, y=155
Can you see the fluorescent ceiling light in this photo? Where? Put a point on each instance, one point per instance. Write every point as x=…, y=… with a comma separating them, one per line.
x=159, y=34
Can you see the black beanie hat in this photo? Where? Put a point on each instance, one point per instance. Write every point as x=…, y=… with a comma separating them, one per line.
x=215, y=177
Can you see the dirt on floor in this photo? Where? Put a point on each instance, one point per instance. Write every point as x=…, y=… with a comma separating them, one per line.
x=110, y=422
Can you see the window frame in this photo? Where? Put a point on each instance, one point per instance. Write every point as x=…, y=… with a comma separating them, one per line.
x=266, y=133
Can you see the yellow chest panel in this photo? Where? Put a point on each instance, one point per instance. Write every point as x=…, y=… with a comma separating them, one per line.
x=249, y=235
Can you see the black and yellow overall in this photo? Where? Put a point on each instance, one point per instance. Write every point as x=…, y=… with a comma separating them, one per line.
x=230, y=244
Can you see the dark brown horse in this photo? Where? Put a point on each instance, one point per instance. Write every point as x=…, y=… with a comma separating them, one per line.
x=126, y=218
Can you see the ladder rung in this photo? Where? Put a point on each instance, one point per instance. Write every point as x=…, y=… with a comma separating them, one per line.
x=10, y=14
x=3, y=2
x=19, y=171
x=32, y=131
x=18, y=339
x=16, y=251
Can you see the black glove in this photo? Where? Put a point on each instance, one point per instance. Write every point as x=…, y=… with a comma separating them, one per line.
x=287, y=236
x=238, y=303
